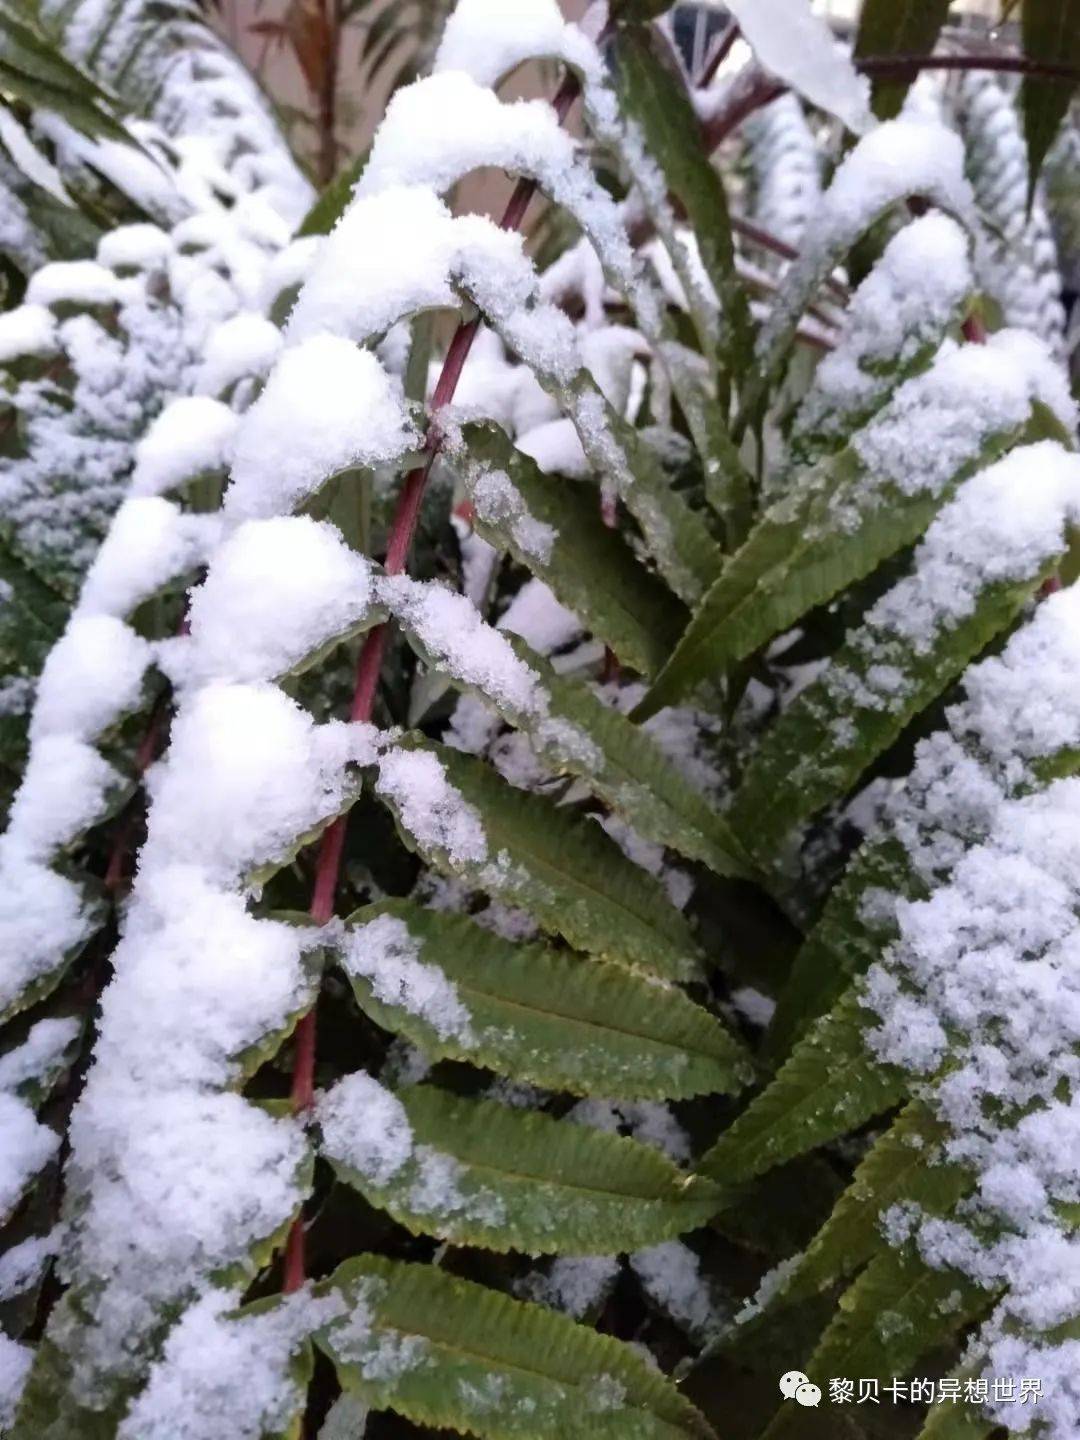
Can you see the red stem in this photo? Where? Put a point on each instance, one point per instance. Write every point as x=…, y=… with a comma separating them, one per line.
x=369, y=667
x=759, y=88
x=719, y=54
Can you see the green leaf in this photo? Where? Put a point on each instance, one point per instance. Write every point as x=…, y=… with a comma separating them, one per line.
x=656, y=100
x=625, y=767
x=33, y=69
x=551, y=1017
x=830, y=1085
x=957, y=1422
x=589, y=567
x=560, y=867
x=1051, y=36
x=49, y=1409
x=503, y=1178
x=841, y=723
x=836, y=527
x=904, y=1166
x=572, y=730
x=844, y=943
x=448, y=1353
x=334, y=200
x=895, y=1312
x=676, y=536
x=897, y=27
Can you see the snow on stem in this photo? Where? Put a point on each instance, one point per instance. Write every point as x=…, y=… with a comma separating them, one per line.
x=369, y=665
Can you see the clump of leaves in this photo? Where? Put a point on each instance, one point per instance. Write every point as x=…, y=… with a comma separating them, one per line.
x=614, y=852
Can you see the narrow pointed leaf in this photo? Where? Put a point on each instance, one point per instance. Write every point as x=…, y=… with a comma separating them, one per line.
x=890, y=668
x=1051, y=37
x=843, y=519
x=904, y=1166
x=588, y=566
x=525, y=850
x=656, y=100
x=473, y=1360
x=533, y=1013
x=502, y=1178
x=894, y=1314
x=831, y=1084
x=897, y=27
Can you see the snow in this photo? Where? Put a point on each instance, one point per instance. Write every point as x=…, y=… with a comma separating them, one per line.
x=537, y=616
x=487, y=39
x=453, y=634
x=431, y=810
x=906, y=302
x=574, y=1284
x=225, y=1375
x=150, y=543
x=439, y=129
x=499, y=503
x=15, y=1362
x=247, y=773
x=671, y=1276
x=171, y=1186
x=191, y=437
x=786, y=166
x=22, y=1265
x=94, y=674
x=61, y=795
x=277, y=590
x=135, y=247
x=76, y=282
x=326, y=407
x=556, y=448
x=42, y=917
x=939, y=421
x=28, y=330
x=39, y=1055
x=365, y=1127
x=798, y=47
x=396, y=252
x=192, y=949
x=242, y=348
x=1004, y=525
x=26, y=1147
x=384, y=953
x=899, y=158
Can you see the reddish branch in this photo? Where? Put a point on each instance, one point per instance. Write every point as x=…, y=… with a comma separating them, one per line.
x=754, y=88
x=369, y=667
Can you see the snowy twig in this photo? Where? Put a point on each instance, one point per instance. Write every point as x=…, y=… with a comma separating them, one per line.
x=369, y=665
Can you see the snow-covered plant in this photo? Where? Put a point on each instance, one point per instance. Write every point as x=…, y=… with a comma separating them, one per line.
x=604, y=929
x=141, y=247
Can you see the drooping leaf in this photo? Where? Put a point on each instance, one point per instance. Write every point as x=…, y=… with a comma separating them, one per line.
x=895, y=1313
x=503, y=1178
x=588, y=566
x=840, y=522
x=904, y=1166
x=902, y=28
x=546, y=1016
x=875, y=685
x=471, y=1359
x=523, y=849
x=333, y=201
x=844, y=942
x=831, y=1084
x=656, y=100
x=33, y=69
x=1050, y=32
x=569, y=726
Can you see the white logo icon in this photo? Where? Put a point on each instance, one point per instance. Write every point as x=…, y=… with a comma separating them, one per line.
x=797, y=1386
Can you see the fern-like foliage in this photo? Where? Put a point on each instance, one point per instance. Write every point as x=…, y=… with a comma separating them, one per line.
x=609, y=859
